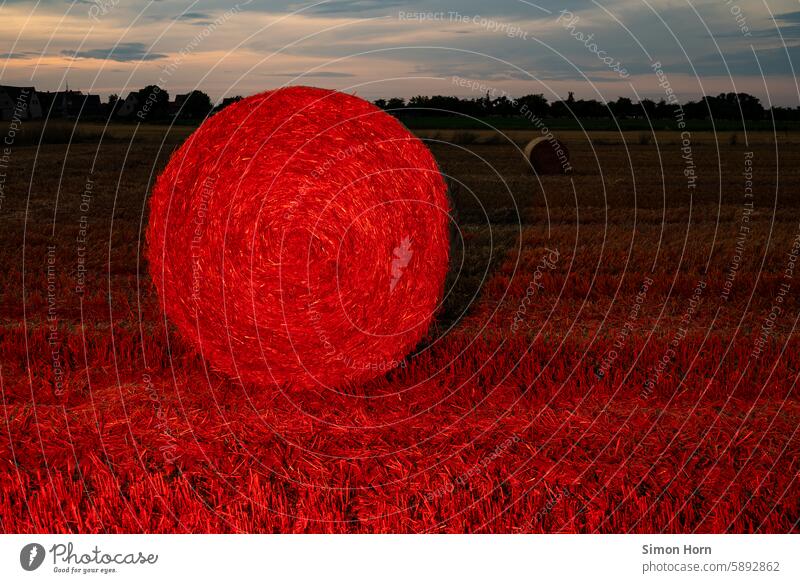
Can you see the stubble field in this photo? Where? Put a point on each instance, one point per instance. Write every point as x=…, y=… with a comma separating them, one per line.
x=616, y=353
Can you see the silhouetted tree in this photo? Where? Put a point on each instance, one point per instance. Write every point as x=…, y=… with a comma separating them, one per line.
x=589, y=108
x=648, y=107
x=196, y=105
x=786, y=113
x=113, y=104
x=561, y=109
x=537, y=104
x=622, y=108
x=153, y=103
x=395, y=103
x=504, y=106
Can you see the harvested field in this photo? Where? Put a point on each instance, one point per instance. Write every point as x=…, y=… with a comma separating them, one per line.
x=617, y=353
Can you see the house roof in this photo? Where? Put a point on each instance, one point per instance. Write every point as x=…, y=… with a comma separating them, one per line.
x=14, y=92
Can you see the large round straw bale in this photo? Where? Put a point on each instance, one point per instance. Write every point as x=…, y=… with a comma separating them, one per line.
x=548, y=155
x=300, y=238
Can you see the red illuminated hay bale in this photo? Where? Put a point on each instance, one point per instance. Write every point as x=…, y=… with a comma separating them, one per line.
x=300, y=236
x=548, y=155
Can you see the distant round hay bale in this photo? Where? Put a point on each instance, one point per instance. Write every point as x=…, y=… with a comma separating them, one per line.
x=548, y=155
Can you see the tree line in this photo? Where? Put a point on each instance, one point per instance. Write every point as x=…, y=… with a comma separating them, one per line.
x=727, y=106
x=196, y=105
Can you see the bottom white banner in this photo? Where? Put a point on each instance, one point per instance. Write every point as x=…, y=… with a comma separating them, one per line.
x=402, y=558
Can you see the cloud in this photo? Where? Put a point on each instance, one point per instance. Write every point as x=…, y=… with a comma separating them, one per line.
x=323, y=74
x=789, y=17
x=20, y=55
x=193, y=16
x=196, y=18
x=123, y=53
x=771, y=61
x=357, y=6
x=787, y=25
x=504, y=8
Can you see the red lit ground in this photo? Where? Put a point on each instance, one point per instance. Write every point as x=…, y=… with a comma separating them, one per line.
x=595, y=412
